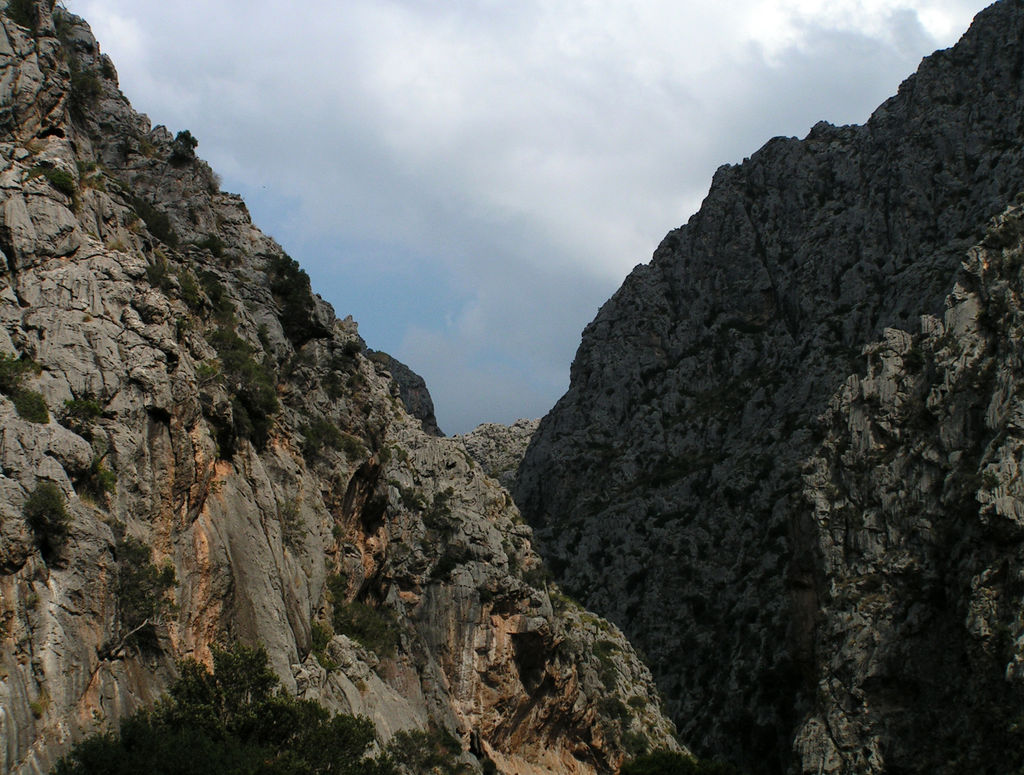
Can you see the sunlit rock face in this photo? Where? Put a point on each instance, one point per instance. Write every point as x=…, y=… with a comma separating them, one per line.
x=232, y=464
x=667, y=487
x=500, y=448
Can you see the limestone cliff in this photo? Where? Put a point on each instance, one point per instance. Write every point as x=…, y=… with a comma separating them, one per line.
x=500, y=448
x=666, y=486
x=916, y=504
x=194, y=449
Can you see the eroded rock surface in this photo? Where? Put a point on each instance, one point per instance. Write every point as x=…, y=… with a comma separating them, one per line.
x=665, y=487
x=915, y=499
x=500, y=448
x=203, y=404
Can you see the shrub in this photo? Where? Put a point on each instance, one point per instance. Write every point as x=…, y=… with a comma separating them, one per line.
x=183, y=149
x=664, y=762
x=353, y=447
x=141, y=592
x=318, y=435
x=213, y=243
x=372, y=628
x=156, y=221
x=22, y=13
x=86, y=88
x=31, y=406
x=292, y=526
x=207, y=371
x=80, y=414
x=290, y=286
x=235, y=720
x=60, y=179
x=253, y=387
x=190, y=293
x=158, y=275
x=419, y=751
x=439, y=515
x=97, y=481
x=13, y=372
x=321, y=636
x=223, y=307
x=48, y=519
x=337, y=588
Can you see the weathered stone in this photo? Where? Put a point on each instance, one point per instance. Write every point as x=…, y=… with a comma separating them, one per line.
x=666, y=486
x=500, y=448
x=276, y=473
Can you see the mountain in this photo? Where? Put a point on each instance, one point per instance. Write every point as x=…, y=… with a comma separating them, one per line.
x=195, y=451
x=714, y=484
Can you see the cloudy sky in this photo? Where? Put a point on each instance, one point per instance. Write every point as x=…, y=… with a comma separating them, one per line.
x=471, y=179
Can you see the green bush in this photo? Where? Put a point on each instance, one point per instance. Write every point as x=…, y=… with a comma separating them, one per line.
x=190, y=293
x=321, y=636
x=13, y=372
x=223, y=307
x=253, y=388
x=213, y=243
x=22, y=12
x=141, y=591
x=31, y=406
x=80, y=414
x=372, y=628
x=233, y=720
x=183, y=149
x=418, y=751
x=293, y=528
x=97, y=481
x=47, y=518
x=290, y=286
x=159, y=275
x=156, y=220
x=664, y=762
x=60, y=179
x=86, y=88
x=318, y=436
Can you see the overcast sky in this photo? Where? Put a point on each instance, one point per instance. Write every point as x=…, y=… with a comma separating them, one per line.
x=472, y=179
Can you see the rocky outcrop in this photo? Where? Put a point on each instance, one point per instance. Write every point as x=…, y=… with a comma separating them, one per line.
x=915, y=499
x=194, y=450
x=412, y=389
x=665, y=487
x=500, y=448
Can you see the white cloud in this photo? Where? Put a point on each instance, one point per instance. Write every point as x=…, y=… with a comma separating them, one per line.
x=499, y=145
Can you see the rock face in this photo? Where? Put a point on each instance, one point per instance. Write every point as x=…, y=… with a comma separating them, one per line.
x=412, y=389
x=500, y=448
x=194, y=449
x=666, y=487
x=916, y=504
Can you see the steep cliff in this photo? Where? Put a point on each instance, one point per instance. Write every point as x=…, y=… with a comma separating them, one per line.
x=665, y=487
x=194, y=449
x=915, y=500
x=500, y=448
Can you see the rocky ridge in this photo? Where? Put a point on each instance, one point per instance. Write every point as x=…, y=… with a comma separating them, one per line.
x=666, y=487
x=194, y=449
x=500, y=448
x=915, y=500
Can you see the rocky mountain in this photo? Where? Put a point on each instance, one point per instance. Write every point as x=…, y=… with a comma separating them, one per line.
x=412, y=390
x=916, y=507
x=500, y=448
x=801, y=616
x=194, y=450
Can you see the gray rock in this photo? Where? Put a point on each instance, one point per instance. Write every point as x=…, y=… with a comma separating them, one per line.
x=665, y=486
x=915, y=500
x=500, y=448
x=412, y=389
x=229, y=422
